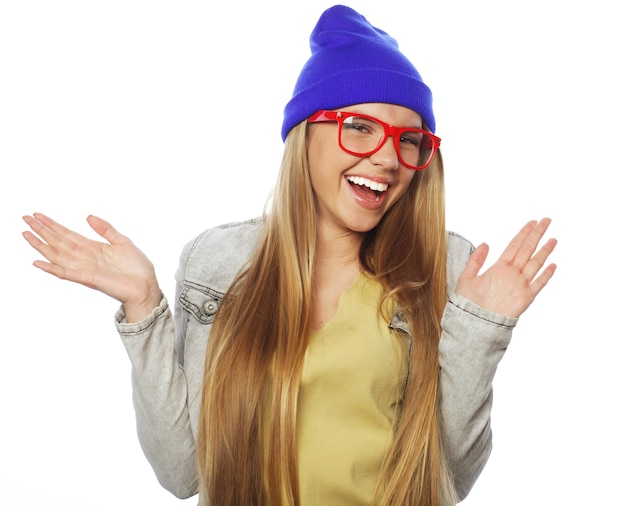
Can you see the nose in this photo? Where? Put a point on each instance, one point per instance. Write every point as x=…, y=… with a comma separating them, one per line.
x=386, y=156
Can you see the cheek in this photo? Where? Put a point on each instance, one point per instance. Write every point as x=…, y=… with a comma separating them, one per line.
x=326, y=159
x=315, y=143
x=315, y=154
x=406, y=176
x=315, y=164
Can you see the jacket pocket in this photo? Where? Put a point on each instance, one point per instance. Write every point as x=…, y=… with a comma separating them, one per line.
x=201, y=301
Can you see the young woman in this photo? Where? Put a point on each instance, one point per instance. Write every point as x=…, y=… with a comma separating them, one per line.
x=340, y=350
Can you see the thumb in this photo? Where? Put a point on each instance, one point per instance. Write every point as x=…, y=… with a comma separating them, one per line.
x=476, y=261
x=104, y=229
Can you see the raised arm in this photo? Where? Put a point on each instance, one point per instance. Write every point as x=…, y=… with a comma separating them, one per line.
x=477, y=327
x=119, y=269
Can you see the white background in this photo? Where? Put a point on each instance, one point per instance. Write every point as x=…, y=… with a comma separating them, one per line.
x=134, y=111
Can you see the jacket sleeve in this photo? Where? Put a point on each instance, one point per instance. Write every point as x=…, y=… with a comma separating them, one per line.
x=167, y=352
x=473, y=342
x=160, y=400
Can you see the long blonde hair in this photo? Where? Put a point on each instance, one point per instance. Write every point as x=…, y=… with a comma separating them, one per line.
x=247, y=430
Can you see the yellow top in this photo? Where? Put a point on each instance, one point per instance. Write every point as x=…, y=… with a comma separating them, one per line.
x=354, y=374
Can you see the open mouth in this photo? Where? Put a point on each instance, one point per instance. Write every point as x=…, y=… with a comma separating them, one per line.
x=366, y=188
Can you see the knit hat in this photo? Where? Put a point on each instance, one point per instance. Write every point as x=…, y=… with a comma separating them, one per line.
x=352, y=62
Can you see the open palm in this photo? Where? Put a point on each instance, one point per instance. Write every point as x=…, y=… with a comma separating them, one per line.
x=115, y=267
x=510, y=285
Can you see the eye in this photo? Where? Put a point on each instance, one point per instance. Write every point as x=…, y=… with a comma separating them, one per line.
x=361, y=125
x=356, y=126
x=412, y=139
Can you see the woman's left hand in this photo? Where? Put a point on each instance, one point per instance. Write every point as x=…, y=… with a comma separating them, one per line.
x=510, y=285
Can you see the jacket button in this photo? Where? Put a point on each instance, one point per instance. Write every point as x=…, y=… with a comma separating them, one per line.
x=210, y=307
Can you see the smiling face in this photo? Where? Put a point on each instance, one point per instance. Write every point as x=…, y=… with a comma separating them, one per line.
x=353, y=193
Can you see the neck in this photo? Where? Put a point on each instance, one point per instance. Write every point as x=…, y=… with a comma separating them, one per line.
x=335, y=268
x=337, y=248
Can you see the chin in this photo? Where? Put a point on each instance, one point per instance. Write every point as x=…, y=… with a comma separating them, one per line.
x=363, y=226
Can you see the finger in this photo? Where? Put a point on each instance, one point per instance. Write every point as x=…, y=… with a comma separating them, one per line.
x=54, y=269
x=52, y=232
x=62, y=247
x=49, y=254
x=538, y=260
x=529, y=246
x=510, y=252
x=45, y=242
x=36, y=243
x=542, y=280
x=67, y=273
x=55, y=227
x=36, y=225
x=524, y=244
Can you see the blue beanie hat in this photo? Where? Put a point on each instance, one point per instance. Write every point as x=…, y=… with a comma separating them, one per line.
x=352, y=62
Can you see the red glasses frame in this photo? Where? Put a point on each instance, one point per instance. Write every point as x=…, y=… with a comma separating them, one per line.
x=390, y=131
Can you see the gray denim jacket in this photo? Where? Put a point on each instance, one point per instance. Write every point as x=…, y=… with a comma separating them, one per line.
x=167, y=356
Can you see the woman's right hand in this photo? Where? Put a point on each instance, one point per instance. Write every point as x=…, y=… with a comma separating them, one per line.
x=117, y=268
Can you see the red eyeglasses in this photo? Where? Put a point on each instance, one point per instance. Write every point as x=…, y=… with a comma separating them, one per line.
x=363, y=135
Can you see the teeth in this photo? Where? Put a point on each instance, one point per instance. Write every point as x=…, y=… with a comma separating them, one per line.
x=372, y=185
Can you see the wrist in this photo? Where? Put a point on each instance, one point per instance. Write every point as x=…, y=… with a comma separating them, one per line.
x=140, y=308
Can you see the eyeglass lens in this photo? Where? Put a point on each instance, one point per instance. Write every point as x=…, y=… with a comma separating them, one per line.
x=364, y=135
